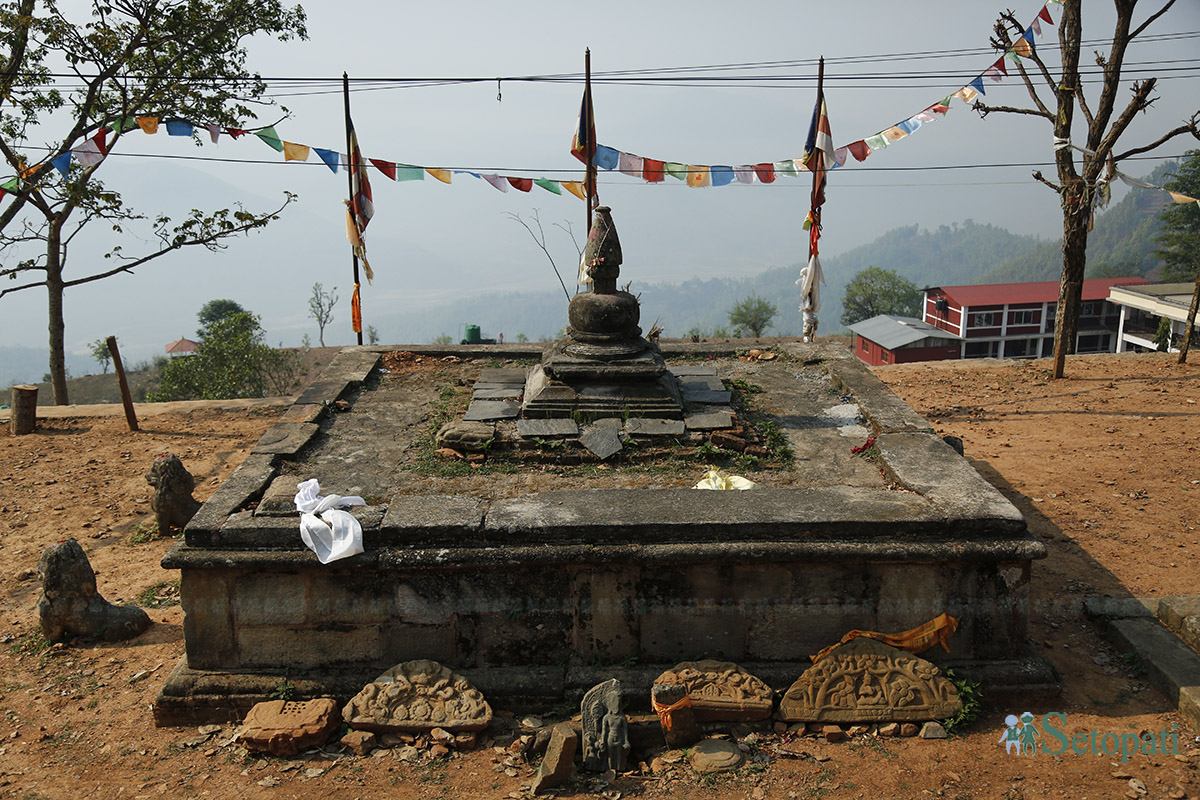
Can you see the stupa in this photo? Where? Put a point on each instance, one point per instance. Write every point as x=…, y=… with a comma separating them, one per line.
x=604, y=367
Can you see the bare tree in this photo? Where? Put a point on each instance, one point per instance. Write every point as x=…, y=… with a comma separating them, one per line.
x=539, y=239
x=1081, y=184
x=320, y=308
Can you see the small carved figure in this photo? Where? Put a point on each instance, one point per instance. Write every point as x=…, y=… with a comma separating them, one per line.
x=172, y=501
x=605, y=729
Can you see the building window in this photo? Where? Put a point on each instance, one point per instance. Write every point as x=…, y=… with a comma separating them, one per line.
x=865, y=347
x=1022, y=318
x=1016, y=348
x=1089, y=309
x=1047, y=347
x=981, y=350
x=983, y=319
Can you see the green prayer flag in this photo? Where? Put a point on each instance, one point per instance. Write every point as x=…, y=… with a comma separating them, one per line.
x=10, y=185
x=406, y=173
x=272, y=139
x=129, y=124
x=553, y=187
x=877, y=142
x=787, y=167
x=676, y=170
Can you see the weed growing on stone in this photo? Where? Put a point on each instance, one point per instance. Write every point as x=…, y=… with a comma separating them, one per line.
x=284, y=690
x=972, y=704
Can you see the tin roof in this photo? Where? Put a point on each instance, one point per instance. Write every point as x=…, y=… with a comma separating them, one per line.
x=995, y=294
x=893, y=332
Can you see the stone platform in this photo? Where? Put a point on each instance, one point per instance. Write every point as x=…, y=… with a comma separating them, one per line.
x=537, y=597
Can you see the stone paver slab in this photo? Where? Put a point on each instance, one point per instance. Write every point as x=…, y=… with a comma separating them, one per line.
x=547, y=427
x=483, y=410
x=602, y=440
x=650, y=426
x=709, y=420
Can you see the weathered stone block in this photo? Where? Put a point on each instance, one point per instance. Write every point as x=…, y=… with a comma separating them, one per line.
x=276, y=599
x=721, y=691
x=284, y=728
x=207, y=619
x=416, y=697
x=309, y=648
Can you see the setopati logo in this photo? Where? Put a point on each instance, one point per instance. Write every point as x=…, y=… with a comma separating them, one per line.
x=1021, y=737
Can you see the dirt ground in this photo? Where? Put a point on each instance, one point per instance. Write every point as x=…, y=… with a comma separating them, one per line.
x=1103, y=464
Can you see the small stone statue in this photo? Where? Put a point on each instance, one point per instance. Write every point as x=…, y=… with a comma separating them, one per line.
x=70, y=605
x=172, y=500
x=605, y=729
x=674, y=708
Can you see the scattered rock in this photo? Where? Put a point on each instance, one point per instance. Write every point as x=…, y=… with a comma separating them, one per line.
x=439, y=751
x=889, y=729
x=560, y=757
x=933, y=730
x=858, y=730
x=468, y=437
x=909, y=729
x=448, y=454
x=715, y=755
x=284, y=728
x=70, y=605
x=360, y=743
x=408, y=753
x=833, y=733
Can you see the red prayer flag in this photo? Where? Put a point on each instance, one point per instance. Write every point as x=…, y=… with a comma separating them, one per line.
x=101, y=145
x=1000, y=66
x=362, y=207
x=235, y=132
x=386, y=167
x=521, y=184
x=860, y=150
x=652, y=170
x=1044, y=14
x=765, y=172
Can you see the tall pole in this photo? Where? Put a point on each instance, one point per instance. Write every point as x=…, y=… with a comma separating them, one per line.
x=350, y=180
x=589, y=176
x=818, y=167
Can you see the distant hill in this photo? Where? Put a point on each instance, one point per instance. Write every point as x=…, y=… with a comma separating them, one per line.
x=1121, y=243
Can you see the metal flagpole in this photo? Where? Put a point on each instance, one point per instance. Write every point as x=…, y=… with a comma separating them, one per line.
x=589, y=178
x=350, y=184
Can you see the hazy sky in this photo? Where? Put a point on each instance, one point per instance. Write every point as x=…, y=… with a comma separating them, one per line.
x=429, y=241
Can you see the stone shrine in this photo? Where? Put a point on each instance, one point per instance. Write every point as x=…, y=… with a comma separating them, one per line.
x=604, y=367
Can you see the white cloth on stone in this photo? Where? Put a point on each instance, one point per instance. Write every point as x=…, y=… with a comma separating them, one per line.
x=325, y=529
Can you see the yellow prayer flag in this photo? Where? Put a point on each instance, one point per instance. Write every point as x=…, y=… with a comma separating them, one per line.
x=895, y=134
x=1181, y=198
x=442, y=175
x=698, y=177
x=966, y=94
x=148, y=124
x=575, y=188
x=1022, y=48
x=295, y=152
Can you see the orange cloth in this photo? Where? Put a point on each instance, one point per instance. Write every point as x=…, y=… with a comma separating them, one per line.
x=664, y=712
x=356, y=311
x=917, y=640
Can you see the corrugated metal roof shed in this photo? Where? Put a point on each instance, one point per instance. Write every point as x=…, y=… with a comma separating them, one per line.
x=893, y=332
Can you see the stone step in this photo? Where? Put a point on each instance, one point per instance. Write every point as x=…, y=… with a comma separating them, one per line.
x=1171, y=666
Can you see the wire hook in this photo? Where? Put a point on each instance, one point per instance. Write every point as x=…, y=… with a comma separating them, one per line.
x=498, y=96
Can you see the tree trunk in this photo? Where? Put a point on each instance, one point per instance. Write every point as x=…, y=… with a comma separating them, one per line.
x=1190, y=325
x=24, y=410
x=54, y=288
x=1070, y=290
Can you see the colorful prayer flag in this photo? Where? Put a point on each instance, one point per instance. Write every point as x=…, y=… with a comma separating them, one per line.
x=407, y=173
x=521, y=184
x=362, y=207
x=295, y=152
x=330, y=158
x=181, y=127
x=386, y=167
x=652, y=170
x=574, y=187
x=860, y=150
x=214, y=133
x=720, y=175
x=697, y=176
x=676, y=170
x=442, y=175
x=745, y=173
x=267, y=134
x=62, y=163
x=550, y=186
x=498, y=181
x=765, y=172
x=583, y=145
x=606, y=157
x=629, y=164
x=148, y=124
x=356, y=311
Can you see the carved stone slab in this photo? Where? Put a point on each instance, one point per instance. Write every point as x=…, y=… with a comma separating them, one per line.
x=416, y=697
x=721, y=691
x=868, y=681
x=284, y=728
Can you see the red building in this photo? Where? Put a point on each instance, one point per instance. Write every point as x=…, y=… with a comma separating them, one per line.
x=901, y=340
x=1016, y=320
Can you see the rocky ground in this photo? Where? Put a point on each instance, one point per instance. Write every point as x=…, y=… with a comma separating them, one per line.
x=1103, y=464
